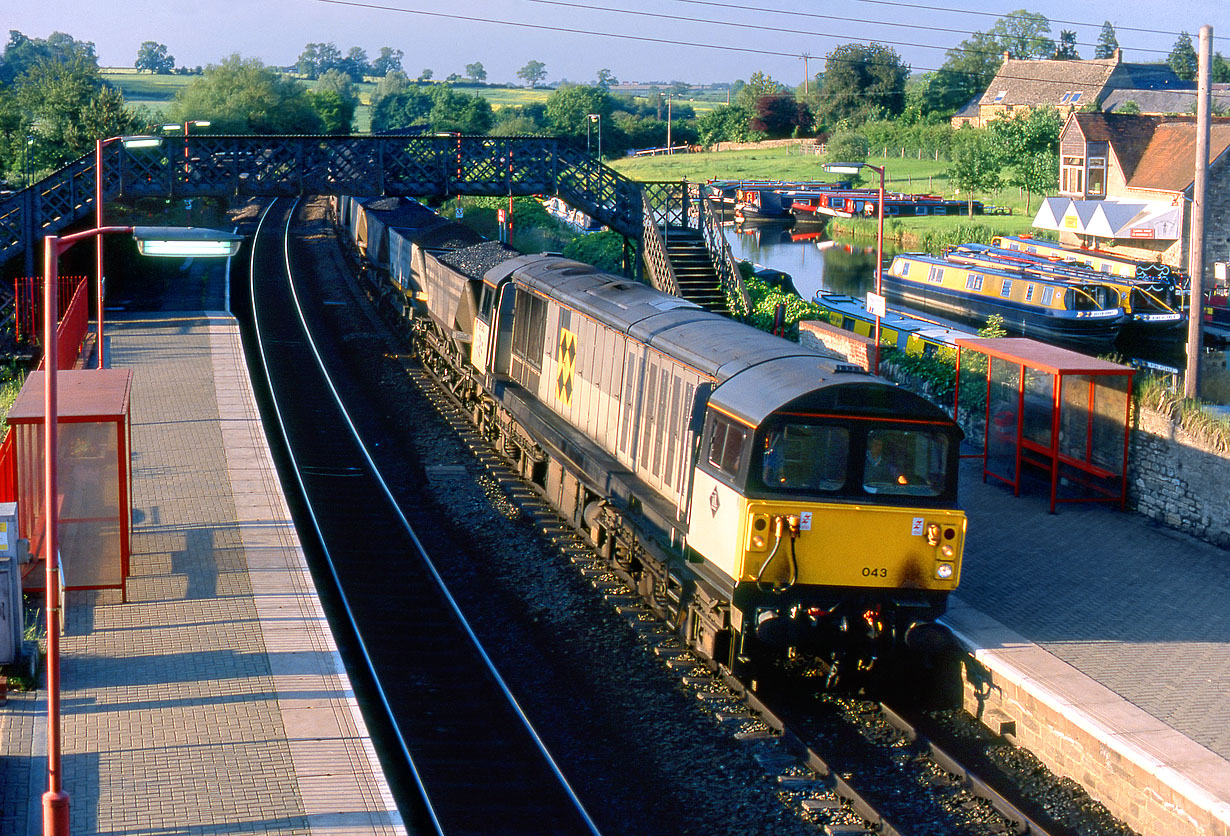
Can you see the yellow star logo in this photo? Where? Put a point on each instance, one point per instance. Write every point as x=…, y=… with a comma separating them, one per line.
x=567, y=357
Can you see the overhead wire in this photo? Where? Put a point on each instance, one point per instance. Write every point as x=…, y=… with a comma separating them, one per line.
x=669, y=41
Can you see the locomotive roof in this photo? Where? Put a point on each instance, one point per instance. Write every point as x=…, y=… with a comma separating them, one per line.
x=756, y=373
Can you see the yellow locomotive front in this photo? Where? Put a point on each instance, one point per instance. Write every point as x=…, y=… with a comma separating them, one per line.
x=832, y=517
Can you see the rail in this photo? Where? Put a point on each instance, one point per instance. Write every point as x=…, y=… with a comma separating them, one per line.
x=737, y=296
x=657, y=261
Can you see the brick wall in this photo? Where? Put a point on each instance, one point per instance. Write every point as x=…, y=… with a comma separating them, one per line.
x=1135, y=788
x=834, y=342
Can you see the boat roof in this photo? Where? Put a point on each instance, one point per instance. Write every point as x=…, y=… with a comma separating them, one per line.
x=987, y=271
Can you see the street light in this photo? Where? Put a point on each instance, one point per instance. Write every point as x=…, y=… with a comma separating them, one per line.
x=165, y=241
x=29, y=144
x=130, y=142
x=595, y=117
x=875, y=302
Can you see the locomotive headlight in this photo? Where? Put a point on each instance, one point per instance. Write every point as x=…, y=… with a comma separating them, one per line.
x=946, y=551
x=943, y=571
x=757, y=541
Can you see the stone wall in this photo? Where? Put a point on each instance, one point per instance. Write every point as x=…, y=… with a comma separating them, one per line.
x=1173, y=477
x=768, y=143
x=1177, y=479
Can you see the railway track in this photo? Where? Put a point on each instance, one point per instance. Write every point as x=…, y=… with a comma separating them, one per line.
x=478, y=764
x=831, y=786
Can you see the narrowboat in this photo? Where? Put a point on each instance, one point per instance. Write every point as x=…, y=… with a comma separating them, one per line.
x=725, y=192
x=1041, y=308
x=1147, y=303
x=849, y=203
x=574, y=218
x=1098, y=260
x=897, y=330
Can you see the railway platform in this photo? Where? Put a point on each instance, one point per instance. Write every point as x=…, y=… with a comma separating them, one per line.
x=214, y=700
x=1108, y=653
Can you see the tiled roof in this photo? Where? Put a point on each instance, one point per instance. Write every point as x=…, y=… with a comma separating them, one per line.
x=1160, y=101
x=1154, y=152
x=1052, y=82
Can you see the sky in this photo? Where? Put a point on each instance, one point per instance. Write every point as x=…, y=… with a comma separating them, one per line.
x=660, y=41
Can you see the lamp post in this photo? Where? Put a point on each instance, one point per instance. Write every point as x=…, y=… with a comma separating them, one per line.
x=596, y=117
x=29, y=144
x=153, y=241
x=875, y=302
x=130, y=142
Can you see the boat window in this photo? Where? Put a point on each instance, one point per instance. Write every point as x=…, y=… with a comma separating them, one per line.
x=935, y=275
x=973, y=281
x=1005, y=289
x=726, y=445
x=1029, y=292
x=1048, y=293
x=805, y=457
x=905, y=462
x=905, y=268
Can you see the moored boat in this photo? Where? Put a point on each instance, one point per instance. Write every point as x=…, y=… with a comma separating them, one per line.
x=898, y=330
x=1042, y=308
x=1147, y=302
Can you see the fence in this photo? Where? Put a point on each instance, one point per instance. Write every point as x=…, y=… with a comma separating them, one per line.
x=28, y=304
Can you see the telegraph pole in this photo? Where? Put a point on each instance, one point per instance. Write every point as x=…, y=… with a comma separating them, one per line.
x=806, y=75
x=1195, y=269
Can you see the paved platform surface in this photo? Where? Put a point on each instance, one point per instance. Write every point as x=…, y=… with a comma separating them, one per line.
x=1133, y=619
x=214, y=700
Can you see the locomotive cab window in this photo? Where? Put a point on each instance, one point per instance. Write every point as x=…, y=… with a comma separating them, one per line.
x=805, y=457
x=726, y=444
x=905, y=462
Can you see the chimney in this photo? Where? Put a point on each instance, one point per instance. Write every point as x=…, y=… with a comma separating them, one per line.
x=1007, y=55
x=1118, y=55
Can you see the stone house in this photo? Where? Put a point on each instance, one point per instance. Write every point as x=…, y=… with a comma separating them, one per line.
x=1022, y=85
x=1125, y=185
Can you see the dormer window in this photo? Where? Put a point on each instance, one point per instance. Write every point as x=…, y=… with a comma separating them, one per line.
x=1076, y=97
x=1064, y=98
x=999, y=97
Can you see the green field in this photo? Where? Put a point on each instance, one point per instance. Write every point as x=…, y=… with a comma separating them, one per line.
x=901, y=174
x=153, y=92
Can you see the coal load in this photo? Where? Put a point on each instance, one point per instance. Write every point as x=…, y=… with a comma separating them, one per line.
x=475, y=260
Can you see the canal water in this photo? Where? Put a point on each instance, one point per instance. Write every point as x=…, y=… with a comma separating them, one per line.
x=816, y=262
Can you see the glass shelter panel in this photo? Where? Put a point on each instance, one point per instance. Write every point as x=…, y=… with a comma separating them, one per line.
x=1003, y=429
x=89, y=516
x=1039, y=406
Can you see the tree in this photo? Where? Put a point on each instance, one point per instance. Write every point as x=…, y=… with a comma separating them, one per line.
x=21, y=53
x=760, y=84
x=568, y=108
x=533, y=73
x=355, y=64
x=403, y=109
x=1107, y=42
x=153, y=57
x=336, y=112
x=726, y=123
x=974, y=165
x=1219, y=69
x=863, y=82
x=242, y=95
x=394, y=81
x=1066, y=51
x=425, y=74
x=459, y=112
x=1023, y=34
x=1028, y=147
x=1130, y=107
x=847, y=147
x=781, y=115
x=969, y=68
x=605, y=79
x=388, y=62
x=316, y=58
x=476, y=73
x=338, y=82
x=1182, y=58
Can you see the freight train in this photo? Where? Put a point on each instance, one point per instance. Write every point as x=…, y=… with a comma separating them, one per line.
x=764, y=498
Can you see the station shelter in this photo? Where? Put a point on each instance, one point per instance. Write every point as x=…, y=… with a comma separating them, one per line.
x=1062, y=413
x=94, y=476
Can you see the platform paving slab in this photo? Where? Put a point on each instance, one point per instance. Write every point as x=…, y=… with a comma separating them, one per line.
x=214, y=700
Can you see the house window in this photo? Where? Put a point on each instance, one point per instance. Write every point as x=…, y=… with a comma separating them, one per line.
x=1048, y=293
x=1097, y=176
x=1005, y=289
x=1072, y=175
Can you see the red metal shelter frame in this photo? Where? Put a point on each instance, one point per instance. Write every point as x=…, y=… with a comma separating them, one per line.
x=1075, y=435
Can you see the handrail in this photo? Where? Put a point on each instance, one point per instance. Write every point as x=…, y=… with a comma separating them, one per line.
x=661, y=271
x=723, y=259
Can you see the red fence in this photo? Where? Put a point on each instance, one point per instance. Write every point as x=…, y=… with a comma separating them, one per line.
x=28, y=303
x=8, y=468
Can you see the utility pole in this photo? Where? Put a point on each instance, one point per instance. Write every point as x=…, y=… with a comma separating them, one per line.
x=806, y=75
x=1195, y=269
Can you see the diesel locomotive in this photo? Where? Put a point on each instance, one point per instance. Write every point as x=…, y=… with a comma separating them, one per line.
x=762, y=497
